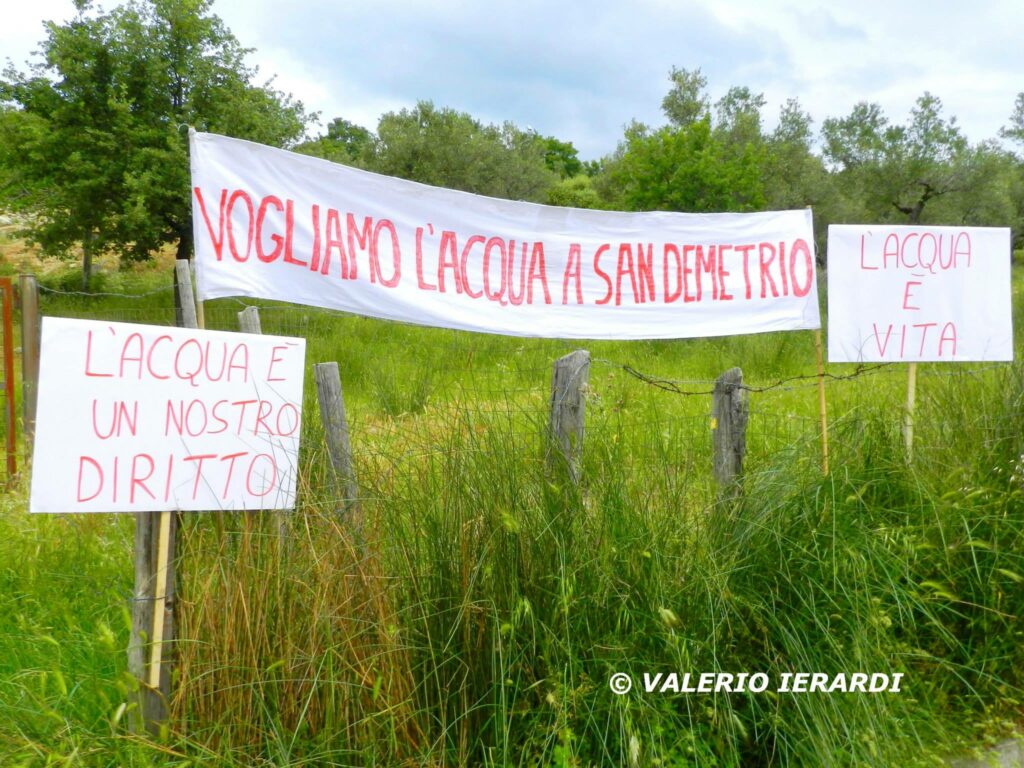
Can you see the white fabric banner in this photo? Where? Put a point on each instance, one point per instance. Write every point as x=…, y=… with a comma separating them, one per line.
x=916, y=294
x=278, y=225
x=135, y=418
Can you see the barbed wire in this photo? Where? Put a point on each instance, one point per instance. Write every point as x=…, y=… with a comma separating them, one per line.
x=673, y=385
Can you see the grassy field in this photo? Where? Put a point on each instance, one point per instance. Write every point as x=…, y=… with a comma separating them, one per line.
x=473, y=608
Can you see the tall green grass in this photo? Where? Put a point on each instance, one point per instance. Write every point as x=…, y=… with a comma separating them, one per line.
x=512, y=595
x=472, y=608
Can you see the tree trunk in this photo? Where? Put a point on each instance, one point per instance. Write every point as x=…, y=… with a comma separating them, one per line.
x=915, y=212
x=183, y=253
x=184, y=242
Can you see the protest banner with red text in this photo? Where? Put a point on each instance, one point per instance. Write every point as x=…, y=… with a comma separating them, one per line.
x=144, y=418
x=278, y=225
x=916, y=294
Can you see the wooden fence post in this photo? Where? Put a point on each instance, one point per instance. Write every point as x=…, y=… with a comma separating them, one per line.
x=189, y=318
x=332, y=414
x=730, y=411
x=153, y=607
x=249, y=321
x=28, y=288
x=568, y=411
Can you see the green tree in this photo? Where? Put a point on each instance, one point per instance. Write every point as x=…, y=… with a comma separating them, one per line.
x=408, y=131
x=794, y=172
x=562, y=157
x=899, y=171
x=451, y=149
x=796, y=177
x=691, y=164
x=685, y=103
x=739, y=117
x=575, y=192
x=682, y=169
x=62, y=161
x=96, y=144
x=345, y=142
x=1015, y=130
x=990, y=181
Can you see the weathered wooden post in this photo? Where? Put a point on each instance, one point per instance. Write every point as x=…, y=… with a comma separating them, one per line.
x=730, y=411
x=332, y=414
x=249, y=320
x=28, y=289
x=189, y=318
x=568, y=411
x=153, y=608
x=152, y=700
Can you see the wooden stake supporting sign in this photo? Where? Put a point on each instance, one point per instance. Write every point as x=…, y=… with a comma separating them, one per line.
x=908, y=414
x=822, y=402
x=154, y=690
x=163, y=565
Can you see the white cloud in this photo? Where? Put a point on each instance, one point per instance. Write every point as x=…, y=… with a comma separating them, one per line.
x=581, y=70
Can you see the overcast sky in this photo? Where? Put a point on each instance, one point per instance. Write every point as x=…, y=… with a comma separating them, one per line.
x=582, y=70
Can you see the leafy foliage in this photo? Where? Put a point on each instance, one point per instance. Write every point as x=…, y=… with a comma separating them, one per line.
x=899, y=170
x=345, y=142
x=575, y=192
x=1015, y=130
x=562, y=157
x=684, y=169
x=446, y=148
x=685, y=103
x=94, y=133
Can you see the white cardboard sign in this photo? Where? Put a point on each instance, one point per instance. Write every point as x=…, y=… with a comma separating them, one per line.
x=917, y=294
x=138, y=418
x=274, y=224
